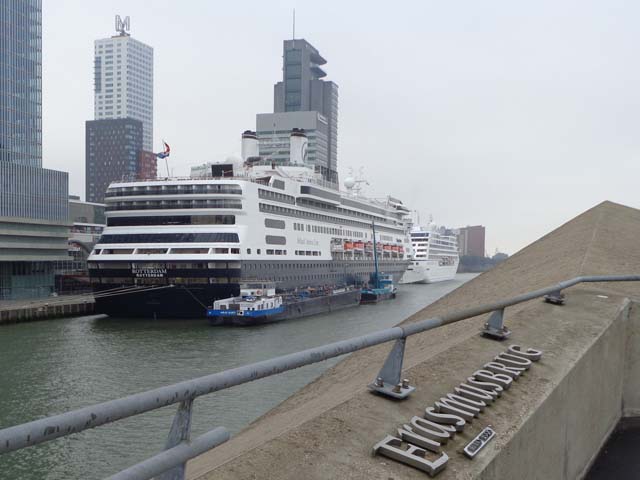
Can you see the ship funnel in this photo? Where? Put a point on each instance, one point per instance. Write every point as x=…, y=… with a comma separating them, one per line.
x=298, y=143
x=249, y=147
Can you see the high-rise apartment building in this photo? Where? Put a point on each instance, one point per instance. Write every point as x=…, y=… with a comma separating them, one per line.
x=123, y=80
x=112, y=151
x=33, y=201
x=303, y=90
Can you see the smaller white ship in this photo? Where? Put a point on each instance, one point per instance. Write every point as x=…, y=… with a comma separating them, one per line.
x=435, y=255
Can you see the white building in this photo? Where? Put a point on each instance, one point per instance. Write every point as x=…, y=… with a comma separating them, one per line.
x=123, y=82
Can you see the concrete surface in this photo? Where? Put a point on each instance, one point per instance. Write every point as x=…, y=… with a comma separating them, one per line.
x=550, y=424
x=17, y=311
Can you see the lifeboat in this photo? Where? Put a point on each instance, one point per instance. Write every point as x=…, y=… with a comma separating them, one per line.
x=395, y=248
x=358, y=245
x=387, y=248
x=368, y=247
x=348, y=245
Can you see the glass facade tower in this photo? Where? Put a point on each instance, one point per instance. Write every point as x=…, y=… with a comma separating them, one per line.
x=34, y=225
x=21, y=82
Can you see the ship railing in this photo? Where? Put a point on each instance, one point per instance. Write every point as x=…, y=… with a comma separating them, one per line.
x=171, y=463
x=247, y=178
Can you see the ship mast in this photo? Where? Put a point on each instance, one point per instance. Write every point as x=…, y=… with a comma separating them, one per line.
x=375, y=253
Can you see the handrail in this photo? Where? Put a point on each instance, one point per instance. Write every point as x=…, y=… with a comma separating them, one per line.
x=39, y=431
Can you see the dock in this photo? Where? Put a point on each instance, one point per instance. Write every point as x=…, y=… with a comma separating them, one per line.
x=551, y=423
x=18, y=311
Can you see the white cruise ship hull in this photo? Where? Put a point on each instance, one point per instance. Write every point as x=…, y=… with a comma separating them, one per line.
x=174, y=246
x=428, y=272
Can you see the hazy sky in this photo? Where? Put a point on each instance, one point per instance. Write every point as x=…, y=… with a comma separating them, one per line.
x=514, y=115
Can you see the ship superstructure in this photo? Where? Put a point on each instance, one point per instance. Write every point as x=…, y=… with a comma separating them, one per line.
x=435, y=255
x=247, y=219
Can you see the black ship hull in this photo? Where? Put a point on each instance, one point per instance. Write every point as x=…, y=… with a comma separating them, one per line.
x=371, y=297
x=185, y=290
x=179, y=301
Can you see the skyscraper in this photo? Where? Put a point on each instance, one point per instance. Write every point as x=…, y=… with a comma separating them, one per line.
x=303, y=90
x=33, y=200
x=21, y=82
x=123, y=80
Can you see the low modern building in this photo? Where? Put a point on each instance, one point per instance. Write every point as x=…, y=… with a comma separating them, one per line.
x=34, y=229
x=274, y=135
x=112, y=153
x=471, y=241
x=87, y=222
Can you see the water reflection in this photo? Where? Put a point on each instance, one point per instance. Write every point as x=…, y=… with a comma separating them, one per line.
x=51, y=367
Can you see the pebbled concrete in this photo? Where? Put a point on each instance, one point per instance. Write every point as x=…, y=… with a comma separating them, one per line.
x=569, y=401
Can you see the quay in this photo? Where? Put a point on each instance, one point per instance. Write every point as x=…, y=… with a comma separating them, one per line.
x=551, y=424
x=18, y=311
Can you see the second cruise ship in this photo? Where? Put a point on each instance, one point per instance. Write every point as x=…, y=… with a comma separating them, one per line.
x=245, y=220
x=435, y=255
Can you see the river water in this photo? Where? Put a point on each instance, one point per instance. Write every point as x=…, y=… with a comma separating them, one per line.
x=54, y=366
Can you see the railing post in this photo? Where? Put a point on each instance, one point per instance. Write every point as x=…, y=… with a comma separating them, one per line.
x=388, y=382
x=180, y=432
x=494, y=328
x=556, y=298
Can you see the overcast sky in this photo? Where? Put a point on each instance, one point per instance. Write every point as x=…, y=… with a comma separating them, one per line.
x=514, y=115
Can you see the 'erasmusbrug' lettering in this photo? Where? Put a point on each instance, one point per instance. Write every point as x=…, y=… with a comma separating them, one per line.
x=453, y=412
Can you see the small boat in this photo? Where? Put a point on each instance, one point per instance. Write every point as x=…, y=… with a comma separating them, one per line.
x=259, y=303
x=381, y=284
x=383, y=289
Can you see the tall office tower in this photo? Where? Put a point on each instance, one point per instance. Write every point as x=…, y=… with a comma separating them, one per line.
x=33, y=200
x=123, y=80
x=112, y=152
x=303, y=90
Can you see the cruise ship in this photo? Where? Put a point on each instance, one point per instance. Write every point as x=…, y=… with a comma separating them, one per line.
x=435, y=255
x=246, y=219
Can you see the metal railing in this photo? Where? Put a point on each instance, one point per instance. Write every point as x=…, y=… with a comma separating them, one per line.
x=171, y=463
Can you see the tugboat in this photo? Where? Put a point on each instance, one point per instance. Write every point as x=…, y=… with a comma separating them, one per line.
x=259, y=304
x=383, y=287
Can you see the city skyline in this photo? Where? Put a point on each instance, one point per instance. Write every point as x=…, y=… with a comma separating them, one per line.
x=505, y=118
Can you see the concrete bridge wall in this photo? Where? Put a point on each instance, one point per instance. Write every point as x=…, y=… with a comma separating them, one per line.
x=564, y=434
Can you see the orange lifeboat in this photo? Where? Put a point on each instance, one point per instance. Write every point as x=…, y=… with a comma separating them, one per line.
x=387, y=248
x=358, y=245
x=348, y=245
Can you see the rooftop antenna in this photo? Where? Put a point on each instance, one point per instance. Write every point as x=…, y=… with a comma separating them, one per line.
x=294, y=24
